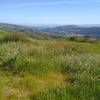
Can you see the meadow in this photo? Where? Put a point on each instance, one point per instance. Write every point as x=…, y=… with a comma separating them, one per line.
x=48, y=69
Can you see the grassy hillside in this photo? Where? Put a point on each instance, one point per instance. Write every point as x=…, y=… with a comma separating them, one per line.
x=32, y=69
x=33, y=32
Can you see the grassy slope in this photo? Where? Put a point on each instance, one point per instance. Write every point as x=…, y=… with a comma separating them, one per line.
x=30, y=31
x=48, y=69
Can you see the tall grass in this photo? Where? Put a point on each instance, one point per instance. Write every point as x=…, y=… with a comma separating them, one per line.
x=48, y=69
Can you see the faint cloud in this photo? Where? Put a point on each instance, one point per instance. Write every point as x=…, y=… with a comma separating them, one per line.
x=52, y=3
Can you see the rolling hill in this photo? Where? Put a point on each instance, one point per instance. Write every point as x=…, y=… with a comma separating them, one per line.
x=32, y=31
x=54, y=32
x=75, y=30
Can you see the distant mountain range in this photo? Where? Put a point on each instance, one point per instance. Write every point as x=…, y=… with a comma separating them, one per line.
x=54, y=32
x=75, y=30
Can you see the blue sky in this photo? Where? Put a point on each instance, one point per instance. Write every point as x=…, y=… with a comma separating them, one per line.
x=30, y=12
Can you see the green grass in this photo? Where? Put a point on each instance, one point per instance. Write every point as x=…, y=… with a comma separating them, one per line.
x=32, y=69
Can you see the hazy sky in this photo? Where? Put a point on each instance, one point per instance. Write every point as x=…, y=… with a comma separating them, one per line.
x=50, y=11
